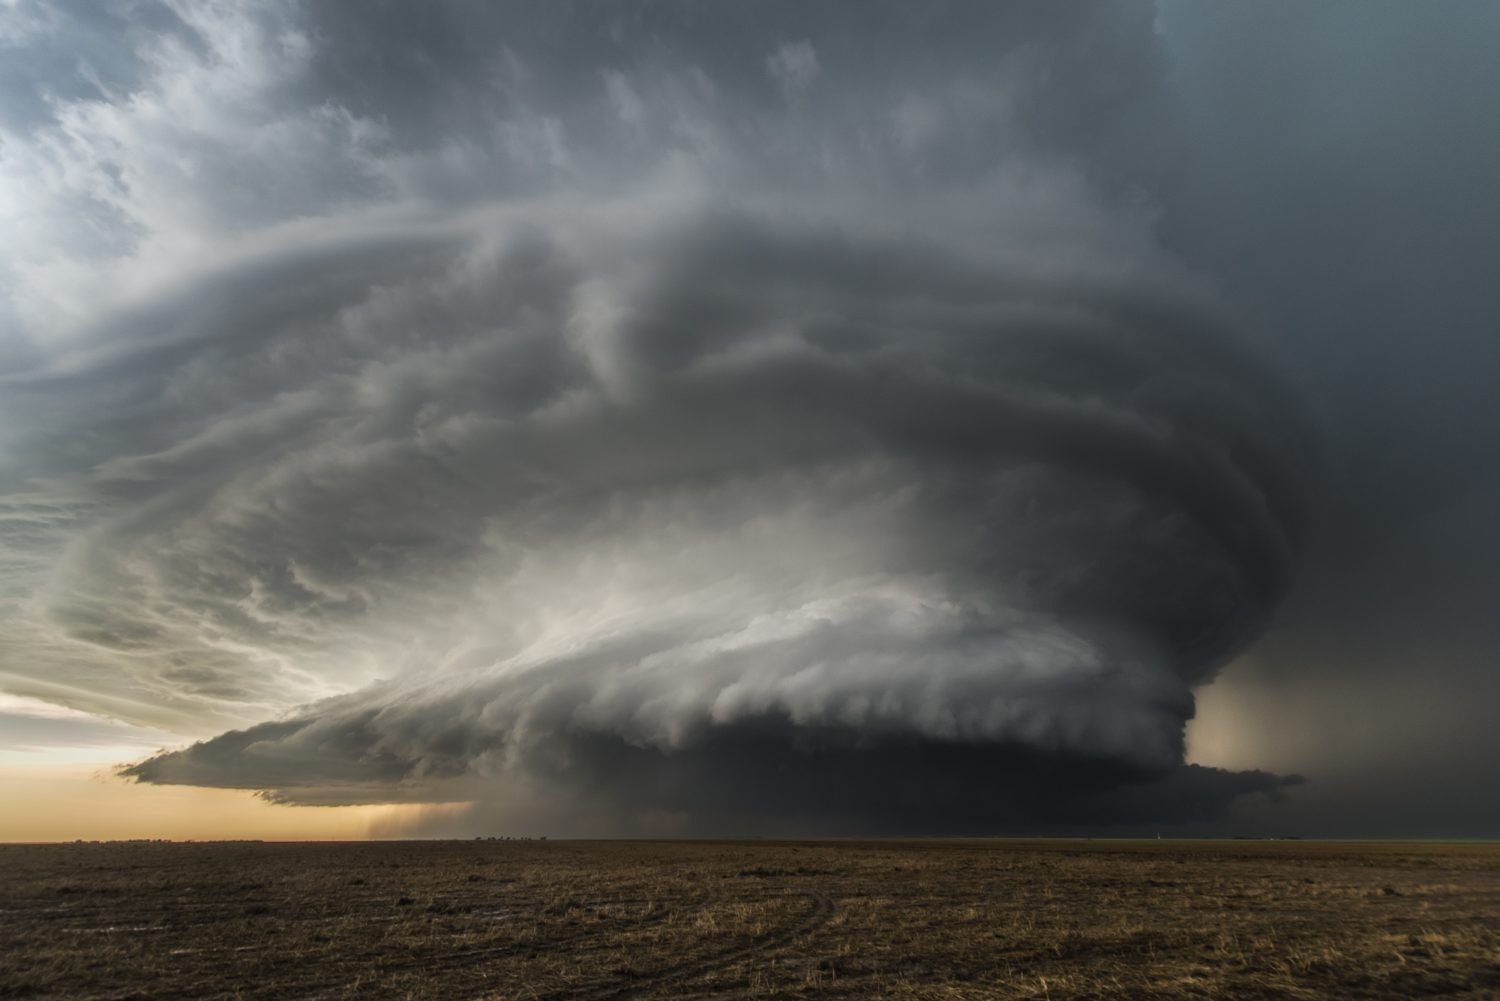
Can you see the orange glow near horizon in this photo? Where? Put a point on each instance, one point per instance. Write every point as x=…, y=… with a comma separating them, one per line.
x=65, y=801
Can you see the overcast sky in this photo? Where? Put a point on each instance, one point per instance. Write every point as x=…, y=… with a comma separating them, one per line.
x=801, y=417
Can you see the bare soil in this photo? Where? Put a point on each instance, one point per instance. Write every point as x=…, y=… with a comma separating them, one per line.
x=944, y=919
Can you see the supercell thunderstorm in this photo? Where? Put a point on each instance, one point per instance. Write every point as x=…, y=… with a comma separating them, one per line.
x=640, y=419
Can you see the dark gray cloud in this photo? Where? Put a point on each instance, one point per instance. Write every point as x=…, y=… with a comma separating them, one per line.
x=747, y=415
x=787, y=487
x=1341, y=186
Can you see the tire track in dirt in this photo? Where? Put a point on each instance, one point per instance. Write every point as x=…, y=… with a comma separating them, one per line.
x=472, y=957
x=820, y=911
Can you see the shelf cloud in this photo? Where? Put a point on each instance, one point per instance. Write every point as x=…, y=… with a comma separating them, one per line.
x=718, y=417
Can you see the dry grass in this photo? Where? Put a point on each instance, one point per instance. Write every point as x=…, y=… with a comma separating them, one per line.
x=931, y=920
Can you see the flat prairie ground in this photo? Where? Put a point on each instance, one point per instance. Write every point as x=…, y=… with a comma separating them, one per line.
x=825, y=919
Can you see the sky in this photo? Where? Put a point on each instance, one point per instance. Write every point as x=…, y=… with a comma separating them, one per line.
x=679, y=418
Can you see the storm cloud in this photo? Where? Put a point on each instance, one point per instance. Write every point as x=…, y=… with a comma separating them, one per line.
x=766, y=417
x=774, y=487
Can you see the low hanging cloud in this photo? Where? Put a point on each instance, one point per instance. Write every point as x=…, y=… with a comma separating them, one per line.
x=775, y=502
x=773, y=431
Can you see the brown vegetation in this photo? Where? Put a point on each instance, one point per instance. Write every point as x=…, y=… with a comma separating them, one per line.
x=602, y=920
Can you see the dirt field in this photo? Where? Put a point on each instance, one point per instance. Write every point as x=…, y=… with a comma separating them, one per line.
x=939, y=919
